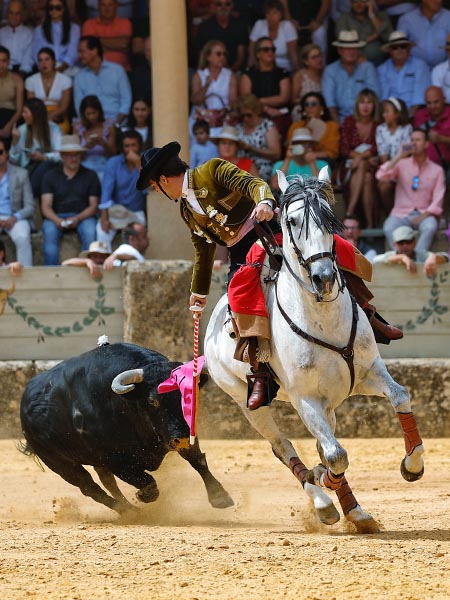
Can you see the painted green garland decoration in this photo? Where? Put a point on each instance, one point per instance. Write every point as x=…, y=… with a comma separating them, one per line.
x=96, y=313
x=432, y=309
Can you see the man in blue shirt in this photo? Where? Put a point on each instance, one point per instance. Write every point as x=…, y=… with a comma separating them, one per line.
x=119, y=188
x=427, y=26
x=106, y=80
x=345, y=78
x=402, y=75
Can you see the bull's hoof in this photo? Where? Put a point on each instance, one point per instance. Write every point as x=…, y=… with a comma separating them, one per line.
x=220, y=499
x=409, y=475
x=328, y=514
x=149, y=493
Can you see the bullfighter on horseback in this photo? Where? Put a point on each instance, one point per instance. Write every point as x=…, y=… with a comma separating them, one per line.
x=220, y=204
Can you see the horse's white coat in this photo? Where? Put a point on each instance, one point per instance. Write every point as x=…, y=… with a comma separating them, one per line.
x=314, y=379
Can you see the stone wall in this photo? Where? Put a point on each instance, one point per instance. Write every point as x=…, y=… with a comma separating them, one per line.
x=219, y=417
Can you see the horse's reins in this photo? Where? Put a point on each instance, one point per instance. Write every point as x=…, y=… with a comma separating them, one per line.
x=269, y=243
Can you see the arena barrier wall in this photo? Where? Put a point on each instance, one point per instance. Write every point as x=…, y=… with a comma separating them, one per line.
x=55, y=313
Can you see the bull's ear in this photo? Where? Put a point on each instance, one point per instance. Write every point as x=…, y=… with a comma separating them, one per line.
x=324, y=174
x=282, y=181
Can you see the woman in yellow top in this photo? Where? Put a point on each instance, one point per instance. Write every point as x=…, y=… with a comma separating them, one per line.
x=317, y=119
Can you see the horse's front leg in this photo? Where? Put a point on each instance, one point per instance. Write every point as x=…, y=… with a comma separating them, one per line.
x=412, y=466
x=330, y=474
x=263, y=422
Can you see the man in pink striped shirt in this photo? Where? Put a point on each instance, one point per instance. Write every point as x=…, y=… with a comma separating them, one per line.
x=419, y=191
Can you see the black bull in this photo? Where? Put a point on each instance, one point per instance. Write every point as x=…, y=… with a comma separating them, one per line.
x=71, y=417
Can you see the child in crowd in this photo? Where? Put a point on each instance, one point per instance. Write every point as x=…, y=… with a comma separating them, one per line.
x=390, y=136
x=203, y=149
x=140, y=119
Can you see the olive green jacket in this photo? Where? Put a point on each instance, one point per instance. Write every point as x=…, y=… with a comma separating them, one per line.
x=227, y=195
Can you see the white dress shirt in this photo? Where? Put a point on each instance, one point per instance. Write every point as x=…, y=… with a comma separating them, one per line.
x=19, y=43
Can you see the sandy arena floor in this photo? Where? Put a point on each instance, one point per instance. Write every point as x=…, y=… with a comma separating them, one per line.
x=55, y=543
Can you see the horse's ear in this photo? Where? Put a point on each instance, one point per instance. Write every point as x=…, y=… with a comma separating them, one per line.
x=282, y=181
x=324, y=174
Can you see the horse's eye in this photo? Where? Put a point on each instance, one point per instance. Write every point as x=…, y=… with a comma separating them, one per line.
x=292, y=221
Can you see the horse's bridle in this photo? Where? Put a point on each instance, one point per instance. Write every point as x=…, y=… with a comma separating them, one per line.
x=307, y=262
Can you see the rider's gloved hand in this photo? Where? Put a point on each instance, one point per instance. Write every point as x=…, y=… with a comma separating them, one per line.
x=197, y=305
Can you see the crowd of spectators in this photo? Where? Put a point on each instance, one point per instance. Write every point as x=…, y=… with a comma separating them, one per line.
x=360, y=86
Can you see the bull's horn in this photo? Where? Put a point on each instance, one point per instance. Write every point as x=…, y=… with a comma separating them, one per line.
x=124, y=382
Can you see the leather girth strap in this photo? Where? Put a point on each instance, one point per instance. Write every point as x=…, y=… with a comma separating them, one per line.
x=346, y=352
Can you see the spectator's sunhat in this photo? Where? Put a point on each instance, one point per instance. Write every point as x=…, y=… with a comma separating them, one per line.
x=120, y=216
x=95, y=248
x=447, y=43
x=395, y=38
x=348, y=39
x=152, y=160
x=228, y=132
x=302, y=134
x=71, y=143
x=404, y=232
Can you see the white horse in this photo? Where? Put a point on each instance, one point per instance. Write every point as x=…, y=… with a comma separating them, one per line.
x=322, y=351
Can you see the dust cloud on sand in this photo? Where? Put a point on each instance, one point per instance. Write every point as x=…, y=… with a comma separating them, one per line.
x=56, y=544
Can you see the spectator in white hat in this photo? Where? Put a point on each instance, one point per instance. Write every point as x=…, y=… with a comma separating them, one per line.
x=300, y=158
x=346, y=77
x=92, y=259
x=402, y=75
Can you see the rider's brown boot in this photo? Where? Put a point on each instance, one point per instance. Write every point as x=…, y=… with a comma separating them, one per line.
x=258, y=395
x=389, y=331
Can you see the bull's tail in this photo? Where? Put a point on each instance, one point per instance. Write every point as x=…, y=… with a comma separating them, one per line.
x=25, y=448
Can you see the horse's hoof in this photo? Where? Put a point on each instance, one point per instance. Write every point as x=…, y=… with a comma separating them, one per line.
x=409, y=475
x=367, y=526
x=328, y=514
x=221, y=500
x=363, y=522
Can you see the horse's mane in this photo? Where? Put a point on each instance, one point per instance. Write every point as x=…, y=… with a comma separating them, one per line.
x=318, y=198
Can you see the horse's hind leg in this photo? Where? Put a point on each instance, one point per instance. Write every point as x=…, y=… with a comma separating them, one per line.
x=378, y=381
x=263, y=422
x=217, y=495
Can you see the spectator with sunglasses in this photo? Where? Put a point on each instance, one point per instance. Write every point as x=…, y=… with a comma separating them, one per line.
x=403, y=76
x=282, y=33
x=269, y=83
x=59, y=34
x=315, y=116
x=406, y=253
x=229, y=30
x=419, y=191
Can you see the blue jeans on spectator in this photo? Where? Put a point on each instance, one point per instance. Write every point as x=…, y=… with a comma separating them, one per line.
x=426, y=228
x=53, y=235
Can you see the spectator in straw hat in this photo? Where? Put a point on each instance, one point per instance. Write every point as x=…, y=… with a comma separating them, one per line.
x=300, y=158
x=70, y=196
x=428, y=26
x=405, y=253
x=440, y=75
x=372, y=27
x=346, y=77
x=402, y=75
x=92, y=259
